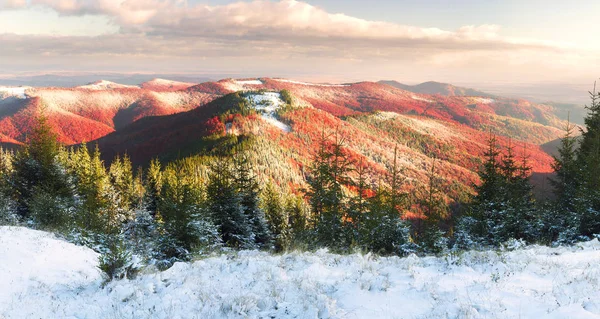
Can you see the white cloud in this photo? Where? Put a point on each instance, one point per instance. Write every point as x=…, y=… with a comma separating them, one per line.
x=287, y=30
x=12, y=4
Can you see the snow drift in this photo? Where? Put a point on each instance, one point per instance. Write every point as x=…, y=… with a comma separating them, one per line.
x=44, y=277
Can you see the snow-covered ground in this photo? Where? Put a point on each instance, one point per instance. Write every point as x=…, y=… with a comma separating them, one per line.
x=267, y=104
x=43, y=277
x=18, y=92
x=418, y=98
x=106, y=85
x=311, y=84
x=484, y=100
x=249, y=82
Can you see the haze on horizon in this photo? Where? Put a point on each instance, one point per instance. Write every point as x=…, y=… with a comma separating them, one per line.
x=465, y=41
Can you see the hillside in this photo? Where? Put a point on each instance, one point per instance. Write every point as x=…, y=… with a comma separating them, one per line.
x=45, y=277
x=433, y=87
x=90, y=112
x=169, y=120
x=372, y=118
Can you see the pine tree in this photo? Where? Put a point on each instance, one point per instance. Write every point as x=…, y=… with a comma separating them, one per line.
x=247, y=187
x=225, y=204
x=153, y=185
x=358, y=207
x=383, y=230
x=504, y=207
x=297, y=212
x=186, y=227
x=277, y=217
x=566, y=181
x=588, y=161
x=40, y=184
x=328, y=176
x=475, y=227
x=433, y=212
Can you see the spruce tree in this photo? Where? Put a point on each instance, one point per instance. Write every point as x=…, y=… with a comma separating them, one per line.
x=328, y=176
x=383, y=228
x=277, y=217
x=224, y=203
x=247, y=187
x=40, y=185
x=588, y=160
x=433, y=210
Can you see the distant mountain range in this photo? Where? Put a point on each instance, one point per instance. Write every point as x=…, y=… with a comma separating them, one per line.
x=432, y=87
x=170, y=119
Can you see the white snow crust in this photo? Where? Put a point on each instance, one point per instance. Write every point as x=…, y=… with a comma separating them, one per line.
x=44, y=277
x=268, y=103
x=18, y=92
x=311, y=84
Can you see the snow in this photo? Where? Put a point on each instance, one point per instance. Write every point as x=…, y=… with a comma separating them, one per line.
x=267, y=104
x=311, y=84
x=418, y=98
x=44, y=277
x=483, y=100
x=249, y=82
x=18, y=92
x=104, y=85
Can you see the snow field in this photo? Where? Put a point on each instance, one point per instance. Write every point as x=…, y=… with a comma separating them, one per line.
x=18, y=92
x=311, y=84
x=44, y=277
x=268, y=103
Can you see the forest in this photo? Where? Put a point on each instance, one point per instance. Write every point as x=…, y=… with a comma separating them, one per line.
x=204, y=204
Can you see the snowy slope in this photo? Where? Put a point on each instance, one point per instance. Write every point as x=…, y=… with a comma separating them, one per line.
x=106, y=85
x=267, y=104
x=18, y=92
x=42, y=277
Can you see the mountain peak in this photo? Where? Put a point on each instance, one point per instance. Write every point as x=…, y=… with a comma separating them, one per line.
x=433, y=87
x=104, y=85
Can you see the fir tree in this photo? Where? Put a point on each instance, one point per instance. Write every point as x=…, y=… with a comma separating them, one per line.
x=329, y=174
x=247, y=187
x=588, y=160
x=277, y=217
x=433, y=211
x=225, y=205
x=40, y=185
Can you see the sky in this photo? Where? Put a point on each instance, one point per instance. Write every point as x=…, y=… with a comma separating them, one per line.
x=463, y=41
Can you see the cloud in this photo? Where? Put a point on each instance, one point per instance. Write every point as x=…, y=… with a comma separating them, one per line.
x=12, y=4
x=288, y=21
x=289, y=31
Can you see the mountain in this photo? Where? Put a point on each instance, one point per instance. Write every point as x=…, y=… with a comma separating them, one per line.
x=372, y=118
x=432, y=87
x=88, y=112
x=285, y=119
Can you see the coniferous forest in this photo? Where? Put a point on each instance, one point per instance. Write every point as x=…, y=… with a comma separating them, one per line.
x=194, y=206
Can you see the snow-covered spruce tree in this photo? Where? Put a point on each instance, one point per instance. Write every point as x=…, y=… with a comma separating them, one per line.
x=121, y=177
x=521, y=216
x=40, y=185
x=358, y=208
x=383, y=230
x=186, y=227
x=588, y=161
x=503, y=208
x=562, y=219
x=433, y=211
x=115, y=260
x=153, y=184
x=98, y=208
x=277, y=217
x=249, y=191
x=224, y=203
x=328, y=175
x=298, y=213
x=8, y=214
